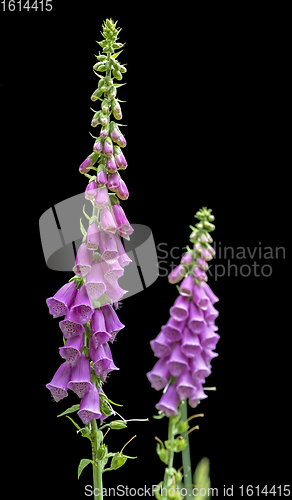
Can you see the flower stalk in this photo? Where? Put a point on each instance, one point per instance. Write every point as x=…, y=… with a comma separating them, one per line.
x=90, y=299
x=185, y=348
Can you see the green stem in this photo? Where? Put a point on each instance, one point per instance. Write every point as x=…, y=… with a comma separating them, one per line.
x=97, y=469
x=186, y=457
x=171, y=455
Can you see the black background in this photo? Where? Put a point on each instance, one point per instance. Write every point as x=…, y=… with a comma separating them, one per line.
x=206, y=126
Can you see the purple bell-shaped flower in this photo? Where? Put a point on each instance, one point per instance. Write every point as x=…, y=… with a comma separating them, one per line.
x=59, y=382
x=90, y=405
x=159, y=374
x=80, y=377
x=61, y=302
x=169, y=401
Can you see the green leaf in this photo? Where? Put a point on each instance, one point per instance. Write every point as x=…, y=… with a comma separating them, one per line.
x=87, y=216
x=70, y=410
x=82, y=228
x=116, y=54
x=83, y=463
x=76, y=425
x=119, y=84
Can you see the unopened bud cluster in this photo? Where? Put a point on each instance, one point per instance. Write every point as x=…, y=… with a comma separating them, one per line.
x=195, y=261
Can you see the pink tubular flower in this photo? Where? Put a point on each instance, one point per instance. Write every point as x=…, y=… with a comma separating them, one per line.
x=61, y=302
x=107, y=221
x=186, y=287
x=100, y=335
x=90, y=405
x=59, y=382
x=101, y=200
x=122, y=222
x=92, y=237
x=71, y=350
x=159, y=374
x=112, y=323
x=80, y=377
x=160, y=345
x=111, y=272
x=95, y=285
x=124, y=260
x=90, y=191
x=83, y=261
x=178, y=362
x=82, y=307
x=169, y=401
x=108, y=247
x=71, y=325
x=180, y=308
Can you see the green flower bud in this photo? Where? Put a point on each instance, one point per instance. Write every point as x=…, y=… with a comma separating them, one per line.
x=96, y=94
x=209, y=226
x=117, y=74
x=122, y=69
x=101, y=57
x=105, y=106
x=101, y=452
x=118, y=460
x=104, y=406
x=162, y=453
x=112, y=92
x=101, y=84
x=211, y=218
x=118, y=424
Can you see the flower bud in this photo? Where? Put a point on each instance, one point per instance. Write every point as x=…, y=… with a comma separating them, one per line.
x=88, y=163
x=118, y=424
x=122, y=191
x=90, y=191
x=108, y=147
x=101, y=178
x=101, y=452
x=198, y=247
x=103, y=119
x=202, y=264
x=177, y=274
x=205, y=254
x=209, y=226
x=199, y=274
x=105, y=106
x=96, y=119
x=96, y=94
x=104, y=131
x=97, y=147
x=186, y=258
x=111, y=165
x=113, y=181
x=117, y=74
x=112, y=92
x=118, y=460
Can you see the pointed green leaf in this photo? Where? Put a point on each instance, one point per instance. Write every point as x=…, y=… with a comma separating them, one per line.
x=116, y=54
x=87, y=216
x=120, y=84
x=82, y=228
x=83, y=463
x=70, y=410
x=76, y=425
